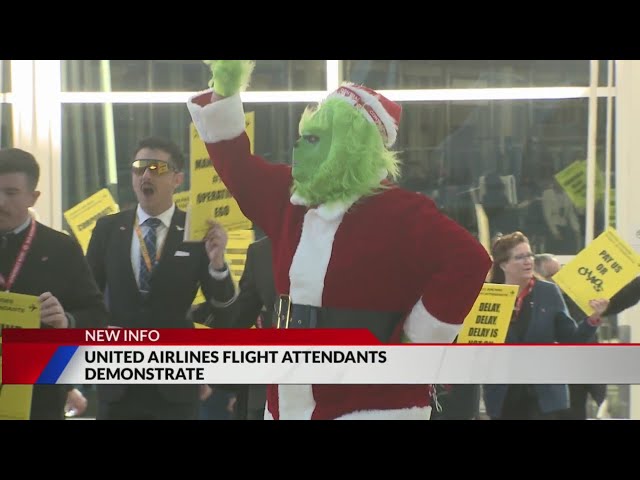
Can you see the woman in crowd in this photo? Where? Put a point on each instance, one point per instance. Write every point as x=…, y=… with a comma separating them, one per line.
x=539, y=316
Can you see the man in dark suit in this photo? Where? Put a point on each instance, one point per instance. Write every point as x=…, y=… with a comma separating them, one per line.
x=150, y=277
x=37, y=260
x=254, y=306
x=627, y=297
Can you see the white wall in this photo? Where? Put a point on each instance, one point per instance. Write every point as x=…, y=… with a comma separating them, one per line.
x=628, y=183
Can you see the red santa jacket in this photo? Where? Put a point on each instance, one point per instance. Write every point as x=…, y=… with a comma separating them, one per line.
x=392, y=252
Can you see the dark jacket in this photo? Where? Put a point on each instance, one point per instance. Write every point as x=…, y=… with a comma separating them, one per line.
x=550, y=322
x=55, y=263
x=256, y=298
x=174, y=284
x=627, y=297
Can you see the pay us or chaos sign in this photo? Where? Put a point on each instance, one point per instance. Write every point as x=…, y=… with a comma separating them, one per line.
x=599, y=271
x=82, y=218
x=209, y=197
x=489, y=318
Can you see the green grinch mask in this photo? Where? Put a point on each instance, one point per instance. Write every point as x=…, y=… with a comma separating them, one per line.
x=340, y=155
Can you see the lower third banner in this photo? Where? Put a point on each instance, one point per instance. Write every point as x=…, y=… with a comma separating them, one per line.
x=263, y=356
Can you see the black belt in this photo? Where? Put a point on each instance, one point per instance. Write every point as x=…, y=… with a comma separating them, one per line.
x=288, y=315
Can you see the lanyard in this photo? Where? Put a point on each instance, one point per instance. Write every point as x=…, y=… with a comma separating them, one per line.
x=143, y=248
x=22, y=254
x=521, y=297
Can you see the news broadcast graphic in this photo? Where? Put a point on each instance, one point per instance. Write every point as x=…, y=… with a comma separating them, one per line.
x=263, y=356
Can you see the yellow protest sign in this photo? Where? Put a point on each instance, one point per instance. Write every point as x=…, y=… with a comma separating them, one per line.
x=199, y=298
x=16, y=311
x=600, y=270
x=612, y=208
x=573, y=180
x=181, y=200
x=209, y=197
x=82, y=217
x=236, y=255
x=489, y=318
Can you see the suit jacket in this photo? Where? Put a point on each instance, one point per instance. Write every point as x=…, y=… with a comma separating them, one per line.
x=550, y=322
x=257, y=295
x=627, y=297
x=174, y=284
x=55, y=263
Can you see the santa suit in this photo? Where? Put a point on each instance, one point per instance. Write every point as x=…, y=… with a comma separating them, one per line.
x=389, y=252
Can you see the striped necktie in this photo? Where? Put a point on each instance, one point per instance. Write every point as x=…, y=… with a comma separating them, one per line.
x=150, y=236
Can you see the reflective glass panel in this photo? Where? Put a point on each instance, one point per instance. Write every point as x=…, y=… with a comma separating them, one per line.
x=85, y=150
x=503, y=155
x=5, y=76
x=185, y=75
x=410, y=74
x=6, y=126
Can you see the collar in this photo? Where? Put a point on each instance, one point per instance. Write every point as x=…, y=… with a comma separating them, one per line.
x=19, y=229
x=165, y=217
x=332, y=210
x=327, y=211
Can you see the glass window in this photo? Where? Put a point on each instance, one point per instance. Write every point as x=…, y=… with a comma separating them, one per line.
x=5, y=76
x=6, y=126
x=85, y=161
x=503, y=155
x=408, y=74
x=185, y=75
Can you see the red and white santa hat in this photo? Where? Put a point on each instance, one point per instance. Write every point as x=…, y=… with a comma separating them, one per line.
x=379, y=110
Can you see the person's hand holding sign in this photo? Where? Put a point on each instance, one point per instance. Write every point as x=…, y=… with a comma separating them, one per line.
x=599, y=306
x=51, y=312
x=216, y=244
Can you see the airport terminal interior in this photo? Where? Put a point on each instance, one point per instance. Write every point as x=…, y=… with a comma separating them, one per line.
x=503, y=140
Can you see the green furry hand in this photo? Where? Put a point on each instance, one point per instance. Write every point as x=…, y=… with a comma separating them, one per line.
x=229, y=77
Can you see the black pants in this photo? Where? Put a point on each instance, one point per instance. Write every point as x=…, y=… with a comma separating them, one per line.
x=145, y=403
x=579, y=395
x=521, y=403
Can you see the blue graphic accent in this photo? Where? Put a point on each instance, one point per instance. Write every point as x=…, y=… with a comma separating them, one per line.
x=56, y=365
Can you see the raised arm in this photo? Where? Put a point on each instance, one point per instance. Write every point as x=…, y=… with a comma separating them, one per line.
x=260, y=188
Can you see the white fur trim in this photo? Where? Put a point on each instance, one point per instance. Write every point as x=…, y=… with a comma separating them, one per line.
x=296, y=402
x=387, y=120
x=422, y=327
x=267, y=414
x=332, y=210
x=221, y=120
x=310, y=262
x=414, y=413
x=328, y=211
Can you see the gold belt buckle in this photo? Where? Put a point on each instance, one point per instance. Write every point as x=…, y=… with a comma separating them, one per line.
x=284, y=311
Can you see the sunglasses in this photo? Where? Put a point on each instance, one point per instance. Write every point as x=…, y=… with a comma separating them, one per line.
x=156, y=167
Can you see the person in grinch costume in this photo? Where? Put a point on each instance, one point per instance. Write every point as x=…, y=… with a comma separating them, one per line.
x=350, y=248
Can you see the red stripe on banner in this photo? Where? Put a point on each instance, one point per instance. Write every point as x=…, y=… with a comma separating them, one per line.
x=22, y=364
x=169, y=336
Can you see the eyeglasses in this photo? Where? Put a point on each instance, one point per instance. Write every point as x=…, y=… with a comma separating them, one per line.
x=523, y=256
x=156, y=167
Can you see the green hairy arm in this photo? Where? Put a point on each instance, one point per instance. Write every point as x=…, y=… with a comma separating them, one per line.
x=229, y=77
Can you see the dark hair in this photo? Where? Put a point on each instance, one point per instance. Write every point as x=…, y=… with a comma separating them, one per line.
x=501, y=251
x=157, y=143
x=15, y=160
